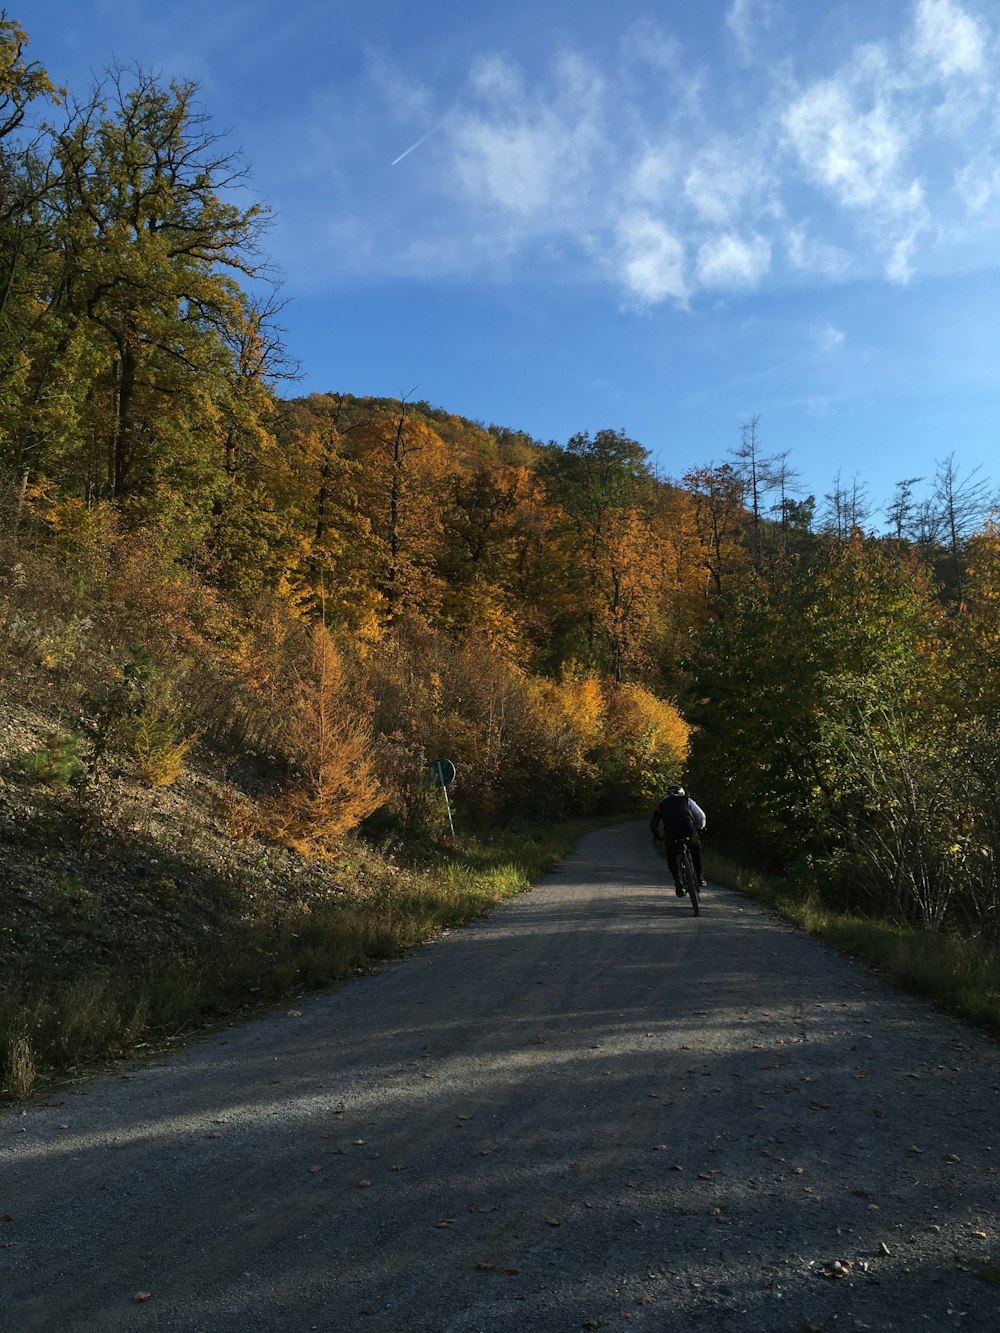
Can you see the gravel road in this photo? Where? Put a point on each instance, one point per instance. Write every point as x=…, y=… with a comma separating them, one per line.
x=590, y=1110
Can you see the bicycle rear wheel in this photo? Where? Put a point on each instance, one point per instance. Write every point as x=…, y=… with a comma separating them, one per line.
x=689, y=880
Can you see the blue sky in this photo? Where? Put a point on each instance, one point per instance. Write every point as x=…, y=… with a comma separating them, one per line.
x=566, y=215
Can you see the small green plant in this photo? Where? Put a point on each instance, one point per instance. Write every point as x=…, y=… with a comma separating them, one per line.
x=71, y=896
x=59, y=762
x=141, y=714
x=162, y=890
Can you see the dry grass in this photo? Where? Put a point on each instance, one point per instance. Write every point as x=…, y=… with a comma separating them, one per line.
x=104, y=1013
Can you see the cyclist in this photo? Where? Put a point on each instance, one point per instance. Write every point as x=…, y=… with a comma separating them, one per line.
x=681, y=820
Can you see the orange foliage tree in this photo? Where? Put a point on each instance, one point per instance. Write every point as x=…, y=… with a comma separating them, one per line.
x=333, y=786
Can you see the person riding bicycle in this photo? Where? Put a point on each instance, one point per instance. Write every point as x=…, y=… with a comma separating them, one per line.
x=681, y=821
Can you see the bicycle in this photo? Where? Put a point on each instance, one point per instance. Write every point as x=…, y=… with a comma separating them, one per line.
x=685, y=874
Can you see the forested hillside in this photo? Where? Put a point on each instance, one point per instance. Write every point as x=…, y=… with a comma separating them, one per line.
x=330, y=591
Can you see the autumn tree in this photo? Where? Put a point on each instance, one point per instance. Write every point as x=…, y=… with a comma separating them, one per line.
x=604, y=487
x=847, y=507
x=153, y=320
x=754, y=470
x=902, y=508
x=403, y=466
x=719, y=525
x=961, y=504
x=332, y=785
x=484, y=525
x=26, y=242
x=777, y=673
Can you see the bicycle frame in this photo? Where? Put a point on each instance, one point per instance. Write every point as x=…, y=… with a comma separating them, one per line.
x=685, y=873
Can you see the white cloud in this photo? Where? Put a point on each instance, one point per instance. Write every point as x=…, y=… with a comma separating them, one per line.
x=654, y=175
x=619, y=162
x=899, y=266
x=854, y=154
x=512, y=165
x=646, y=43
x=534, y=157
x=812, y=255
x=722, y=177
x=949, y=37
x=651, y=260
x=744, y=19
x=404, y=96
x=497, y=79
x=829, y=338
x=855, y=136
x=978, y=183
x=729, y=261
x=738, y=20
x=646, y=48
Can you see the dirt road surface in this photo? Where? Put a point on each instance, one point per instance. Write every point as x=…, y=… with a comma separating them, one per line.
x=590, y=1110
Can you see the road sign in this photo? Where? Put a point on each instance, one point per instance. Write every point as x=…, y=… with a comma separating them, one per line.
x=444, y=772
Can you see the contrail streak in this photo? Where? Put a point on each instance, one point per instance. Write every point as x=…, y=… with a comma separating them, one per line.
x=414, y=145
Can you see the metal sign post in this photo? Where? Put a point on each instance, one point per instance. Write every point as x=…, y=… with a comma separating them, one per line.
x=444, y=774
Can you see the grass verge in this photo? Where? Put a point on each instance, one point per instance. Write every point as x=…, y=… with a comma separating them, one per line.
x=959, y=974
x=54, y=1025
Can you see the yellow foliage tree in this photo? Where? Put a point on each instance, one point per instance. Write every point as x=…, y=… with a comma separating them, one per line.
x=334, y=786
x=645, y=745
